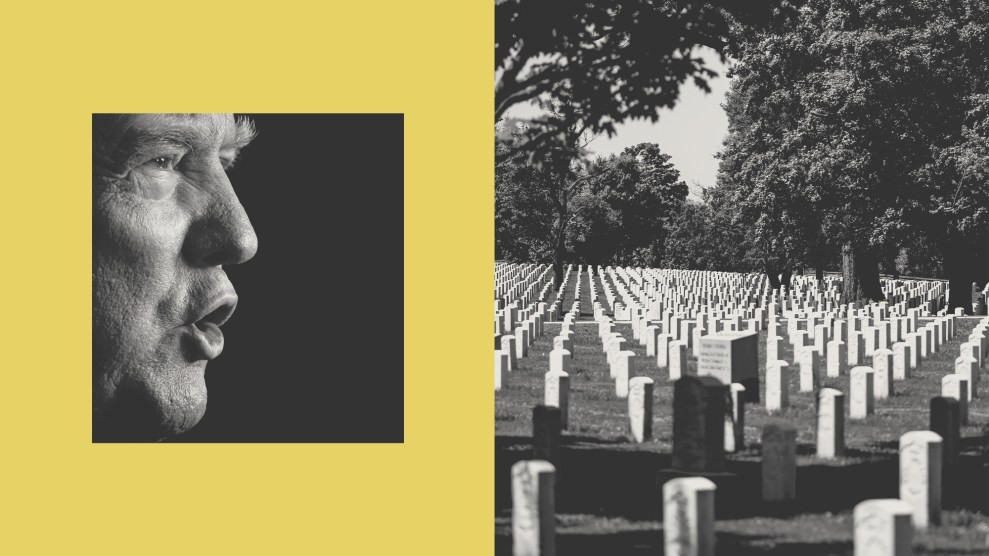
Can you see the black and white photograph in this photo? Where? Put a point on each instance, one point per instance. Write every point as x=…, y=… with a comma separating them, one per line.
x=740, y=278
x=246, y=278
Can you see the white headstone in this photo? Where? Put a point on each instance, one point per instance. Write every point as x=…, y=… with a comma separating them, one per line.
x=533, y=508
x=663, y=350
x=688, y=516
x=860, y=393
x=968, y=368
x=559, y=361
x=501, y=369
x=882, y=366
x=508, y=346
x=678, y=359
x=920, y=476
x=837, y=357
x=956, y=386
x=883, y=528
x=810, y=368
x=732, y=357
x=556, y=393
x=901, y=360
x=777, y=386
x=830, y=423
x=640, y=407
x=624, y=369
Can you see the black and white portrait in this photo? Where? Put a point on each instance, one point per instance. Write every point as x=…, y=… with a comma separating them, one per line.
x=243, y=269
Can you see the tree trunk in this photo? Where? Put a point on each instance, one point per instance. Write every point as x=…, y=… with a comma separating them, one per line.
x=773, y=275
x=960, y=272
x=558, y=273
x=787, y=278
x=819, y=274
x=860, y=275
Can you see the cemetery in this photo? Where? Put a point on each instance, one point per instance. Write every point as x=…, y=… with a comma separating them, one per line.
x=660, y=411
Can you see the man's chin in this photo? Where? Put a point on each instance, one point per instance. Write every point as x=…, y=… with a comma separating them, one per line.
x=145, y=413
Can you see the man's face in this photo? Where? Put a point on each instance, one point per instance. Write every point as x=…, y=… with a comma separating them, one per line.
x=165, y=221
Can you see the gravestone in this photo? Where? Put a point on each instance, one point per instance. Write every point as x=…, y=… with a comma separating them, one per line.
x=821, y=338
x=914, y=340
x=901, y=361
x=968, y=368
x=774, y=347
x=508, y=346
x=954, y=386
x=564, y=343
x=777, y=386
x=522, y=341
x=559, y=361
x=533, y=508
x=546, y=433
x=699, y=406
x=830, y=423
x=837, y=357
x=652, y=334
x=678, y=359
x=860, y=393
x=883, y=528
x=624, y=366
x=882, y=367
x=735, y=419
x=501, y=369
x=856, y=348
x=809, y=368
x=920, y=476
x=640, y=407
x=946, y=422
x=556, y=393
x=870, y=337
x=688, y=517
x=779, y=462
x=732, y=357
x=663, y=350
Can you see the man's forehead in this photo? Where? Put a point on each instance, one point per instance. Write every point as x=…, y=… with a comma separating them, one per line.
x=208, y=126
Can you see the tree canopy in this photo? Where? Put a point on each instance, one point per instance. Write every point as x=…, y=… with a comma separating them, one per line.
x=605, y=61
x=858, y=125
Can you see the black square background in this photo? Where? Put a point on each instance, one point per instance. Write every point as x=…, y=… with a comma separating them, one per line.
x=314, y=352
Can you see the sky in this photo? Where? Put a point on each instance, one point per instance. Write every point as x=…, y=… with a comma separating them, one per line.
x=691, y=132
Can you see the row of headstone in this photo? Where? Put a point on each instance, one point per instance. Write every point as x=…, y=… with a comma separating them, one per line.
x=882, y=527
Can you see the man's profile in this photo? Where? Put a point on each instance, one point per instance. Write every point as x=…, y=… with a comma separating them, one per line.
x=166, y=221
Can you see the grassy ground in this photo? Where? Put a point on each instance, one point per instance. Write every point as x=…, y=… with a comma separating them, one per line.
x=608, y=500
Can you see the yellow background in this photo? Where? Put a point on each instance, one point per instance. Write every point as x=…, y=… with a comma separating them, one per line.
x=61, y=494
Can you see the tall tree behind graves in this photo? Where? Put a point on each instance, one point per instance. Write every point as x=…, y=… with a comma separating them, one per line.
x=535, y=205
x=858, y=115
x=610, y=60
x=643, y=189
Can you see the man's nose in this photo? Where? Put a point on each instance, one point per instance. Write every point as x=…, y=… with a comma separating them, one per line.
x=223, y=233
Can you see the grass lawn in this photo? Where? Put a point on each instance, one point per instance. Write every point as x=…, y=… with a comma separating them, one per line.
x=608, y=500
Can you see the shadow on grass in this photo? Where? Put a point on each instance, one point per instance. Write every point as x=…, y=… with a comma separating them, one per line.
x=636, y=543
x=614, y=479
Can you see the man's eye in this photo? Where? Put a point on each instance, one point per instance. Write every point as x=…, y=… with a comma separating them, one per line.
x=168, y=162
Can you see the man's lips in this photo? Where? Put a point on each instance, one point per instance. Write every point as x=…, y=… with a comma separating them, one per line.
x=204, y=331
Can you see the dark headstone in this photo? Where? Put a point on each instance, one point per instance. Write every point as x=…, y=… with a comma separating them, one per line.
x=699, y=408
x=946, y=421
x=546, y=434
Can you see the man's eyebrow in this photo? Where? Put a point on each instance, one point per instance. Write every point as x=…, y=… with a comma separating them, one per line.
x=146, y=140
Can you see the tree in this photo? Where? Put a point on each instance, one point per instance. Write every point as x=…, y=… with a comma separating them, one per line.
x=612, y=211
x=535, y=205
x=643, y=189
x=606, y=61
x=848, y=128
